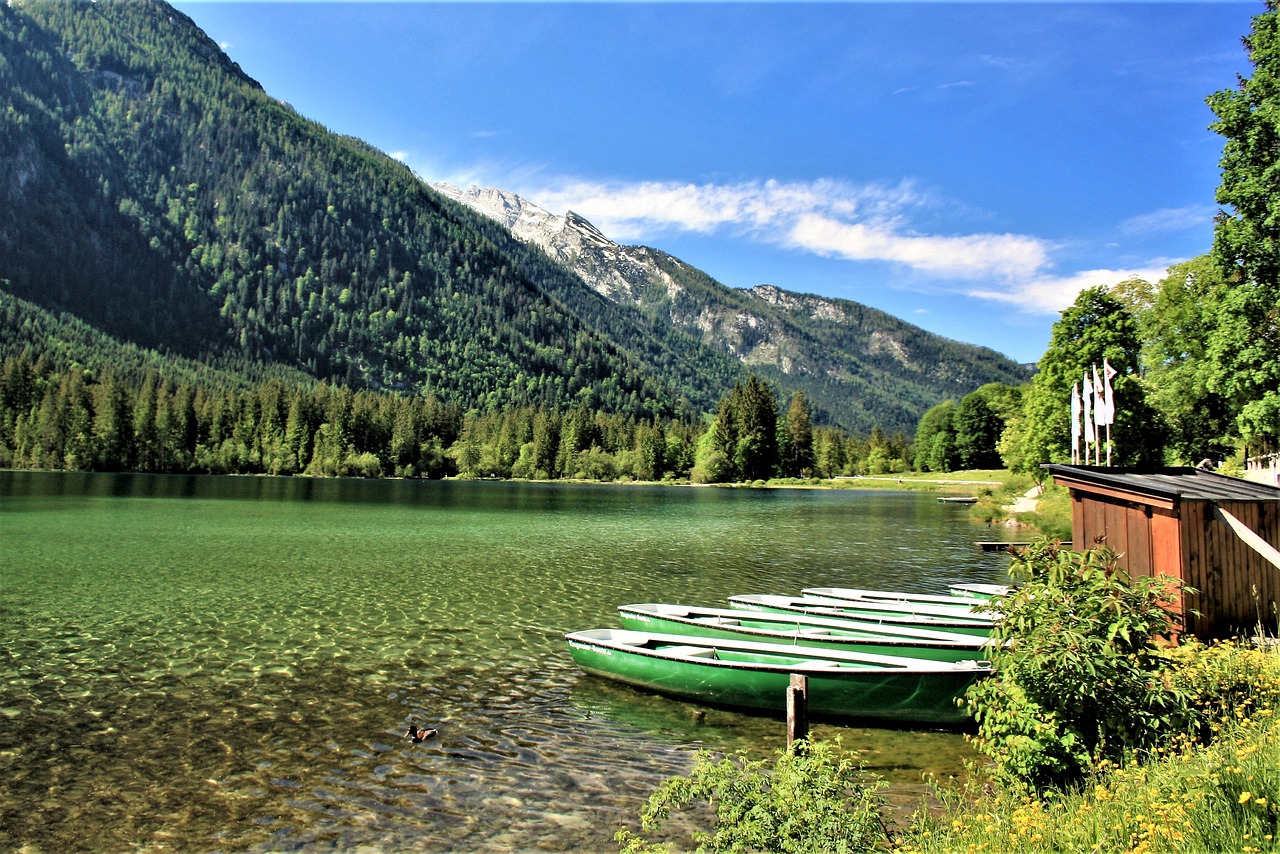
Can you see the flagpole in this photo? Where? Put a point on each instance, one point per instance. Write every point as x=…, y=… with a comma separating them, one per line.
x=1107, y=373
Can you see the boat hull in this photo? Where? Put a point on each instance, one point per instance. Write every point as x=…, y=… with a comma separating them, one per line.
x=801, y=630
x=756, y=676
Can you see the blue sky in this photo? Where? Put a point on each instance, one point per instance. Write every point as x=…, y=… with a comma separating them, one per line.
x=966, y=167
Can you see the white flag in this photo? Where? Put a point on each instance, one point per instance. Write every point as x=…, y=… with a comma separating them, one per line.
x=1099, y=402
x=1107, y=373
x=1075, y=423
x=1088, y=412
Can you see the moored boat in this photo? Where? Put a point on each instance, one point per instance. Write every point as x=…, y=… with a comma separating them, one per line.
x=803, y=630
x=889, y=613
x=948, y=600
x=754, y=675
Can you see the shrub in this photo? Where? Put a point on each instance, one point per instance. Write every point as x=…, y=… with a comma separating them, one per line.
x=1078, y=674
x=812, y=800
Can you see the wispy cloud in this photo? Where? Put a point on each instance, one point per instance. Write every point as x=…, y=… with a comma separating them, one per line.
x=1048, y=295
x=1168, y=220
x=867, y=222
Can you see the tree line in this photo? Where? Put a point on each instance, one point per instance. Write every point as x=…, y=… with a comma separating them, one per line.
x=73, y=418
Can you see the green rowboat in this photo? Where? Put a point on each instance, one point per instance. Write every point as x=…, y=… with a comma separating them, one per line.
x=960, y=603
x=751, y=675
x=802, y=630
x=960, y=620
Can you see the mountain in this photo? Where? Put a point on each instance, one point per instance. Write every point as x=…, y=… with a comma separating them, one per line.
x=151, y=190
x=852, y=360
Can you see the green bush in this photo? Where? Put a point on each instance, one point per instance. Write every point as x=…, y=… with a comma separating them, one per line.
x=813, y=800
x=1078, y=671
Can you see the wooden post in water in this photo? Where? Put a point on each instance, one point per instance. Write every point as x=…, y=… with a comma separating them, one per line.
x=797, y=709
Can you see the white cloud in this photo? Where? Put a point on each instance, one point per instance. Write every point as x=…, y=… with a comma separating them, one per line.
x=1168, y=220
x=1051, y=294
x=830, y=218
x=970, y=256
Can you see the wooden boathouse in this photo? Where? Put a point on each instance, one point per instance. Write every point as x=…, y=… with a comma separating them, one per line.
x=1219, y=535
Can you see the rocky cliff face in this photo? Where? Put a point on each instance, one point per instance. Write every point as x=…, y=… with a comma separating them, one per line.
x=621, y=273
x=819, y=344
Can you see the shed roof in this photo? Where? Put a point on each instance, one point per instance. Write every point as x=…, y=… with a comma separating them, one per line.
x=1168, y=483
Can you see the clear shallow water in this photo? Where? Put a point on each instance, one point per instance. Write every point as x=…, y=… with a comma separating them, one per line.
x=200, y=663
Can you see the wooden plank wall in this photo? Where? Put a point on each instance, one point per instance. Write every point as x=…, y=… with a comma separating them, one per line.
x=1238, y=587
x=1123, y=527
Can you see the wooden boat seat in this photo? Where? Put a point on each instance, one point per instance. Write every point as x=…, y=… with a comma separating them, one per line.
x=717, y=621
x=690, y=651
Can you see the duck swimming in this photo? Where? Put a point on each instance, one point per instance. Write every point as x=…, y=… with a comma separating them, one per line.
x=418, y=735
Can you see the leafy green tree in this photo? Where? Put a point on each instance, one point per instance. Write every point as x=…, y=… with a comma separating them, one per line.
x=977, y=432
x=935, y=439
x=1178, y=366
x=756, y=453
x=1096, y=328
x=1244, y=329
x=112, y=425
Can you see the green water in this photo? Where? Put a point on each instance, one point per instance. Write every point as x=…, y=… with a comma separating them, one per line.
x=201, y=663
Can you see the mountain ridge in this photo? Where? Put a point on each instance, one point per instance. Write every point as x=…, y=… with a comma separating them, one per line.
x=810, y=339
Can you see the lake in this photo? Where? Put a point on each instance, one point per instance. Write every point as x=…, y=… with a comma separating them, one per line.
x=219, y=663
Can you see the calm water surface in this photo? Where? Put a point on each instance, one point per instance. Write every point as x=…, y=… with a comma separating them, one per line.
x=200, y=663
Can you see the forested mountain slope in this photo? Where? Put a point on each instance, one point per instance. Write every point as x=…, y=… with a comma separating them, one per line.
x=151, y=188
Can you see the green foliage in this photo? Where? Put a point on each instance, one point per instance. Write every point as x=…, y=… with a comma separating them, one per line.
x=935, y=440
x=815, y=799
x=1078, y=672
x=967, y=435
x=146, y=414
x=1213, y=787
x=977, y=429
x=742, y=442
x=1243, y=329
x=1192, y=797
x=795, y=439
x=1226, y=682
x=1175, y=330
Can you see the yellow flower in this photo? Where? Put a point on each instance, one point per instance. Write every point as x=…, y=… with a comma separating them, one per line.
x=1245, y=797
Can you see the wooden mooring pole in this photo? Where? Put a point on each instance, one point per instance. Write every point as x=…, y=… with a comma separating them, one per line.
x=797, y=709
